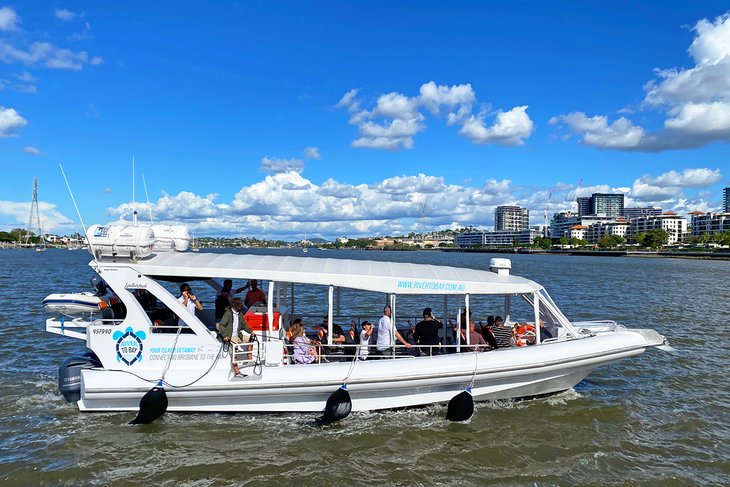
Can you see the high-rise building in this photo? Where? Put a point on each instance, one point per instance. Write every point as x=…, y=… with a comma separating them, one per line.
x=610, y=205
x=726, y=200
x=511, y=218
x=584, y=205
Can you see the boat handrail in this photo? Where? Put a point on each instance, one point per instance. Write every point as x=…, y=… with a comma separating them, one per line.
x=339, y=352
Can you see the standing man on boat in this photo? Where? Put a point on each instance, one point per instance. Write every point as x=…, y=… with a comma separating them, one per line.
x=234, y=329
x=427, y=332
x=188, y=300
x=386, y=333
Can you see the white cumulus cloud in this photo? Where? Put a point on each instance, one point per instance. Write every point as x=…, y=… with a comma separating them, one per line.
x=64, y=14
x=287, y=205
x=396, y=118
x=10, y=121
x=312, y=153
x=509, y=128
x=274, y=166
x=695, y=101
x=34, y=151
x=9, y=19
x=48, y=55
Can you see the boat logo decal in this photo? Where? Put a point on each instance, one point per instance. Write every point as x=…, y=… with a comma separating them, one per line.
x=101, y=232
x=129, y=345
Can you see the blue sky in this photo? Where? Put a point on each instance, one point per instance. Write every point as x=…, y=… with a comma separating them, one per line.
x=280, y=119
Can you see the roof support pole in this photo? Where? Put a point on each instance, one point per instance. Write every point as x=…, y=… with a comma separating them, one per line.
x=536, y=306
x=330, y=299
x=270, y=307
x=392, y=323
x=338, y=310
x=446, y=306
x=468, y=317
x=458, y=335
x=506, y=309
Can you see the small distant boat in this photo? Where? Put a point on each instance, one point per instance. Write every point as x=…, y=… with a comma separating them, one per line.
x=304, y=249
x=40, y=249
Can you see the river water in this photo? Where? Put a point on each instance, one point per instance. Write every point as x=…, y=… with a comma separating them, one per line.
x=657, y=419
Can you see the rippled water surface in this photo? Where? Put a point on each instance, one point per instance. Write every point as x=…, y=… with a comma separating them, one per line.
x=658, y=419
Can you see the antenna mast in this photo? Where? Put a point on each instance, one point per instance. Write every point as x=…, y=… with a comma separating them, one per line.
x=134, y=205
x=34, y=210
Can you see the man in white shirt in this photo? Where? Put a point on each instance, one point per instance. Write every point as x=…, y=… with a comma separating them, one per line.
x=386, y=333
x=188, y=300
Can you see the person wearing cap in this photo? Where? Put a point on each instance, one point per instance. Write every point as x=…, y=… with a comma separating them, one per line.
x=427, y=332
x=365, y=333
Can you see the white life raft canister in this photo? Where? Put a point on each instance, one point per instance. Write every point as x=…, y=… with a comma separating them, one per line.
x=121, y=240
x=171, y=237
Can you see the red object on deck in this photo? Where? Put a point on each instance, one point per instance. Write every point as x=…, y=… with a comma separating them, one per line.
x=260, y=321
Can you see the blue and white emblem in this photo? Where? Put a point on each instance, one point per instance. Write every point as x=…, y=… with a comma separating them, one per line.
x=129, y=345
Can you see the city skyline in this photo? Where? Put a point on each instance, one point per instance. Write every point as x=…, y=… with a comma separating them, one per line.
x=350, y=119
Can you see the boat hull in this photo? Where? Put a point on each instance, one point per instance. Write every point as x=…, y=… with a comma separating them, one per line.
x=374, y=384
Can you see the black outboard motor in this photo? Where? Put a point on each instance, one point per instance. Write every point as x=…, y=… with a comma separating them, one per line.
x=69, y=374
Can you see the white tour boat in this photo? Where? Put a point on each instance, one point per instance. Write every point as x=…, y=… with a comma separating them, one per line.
x=127, y=356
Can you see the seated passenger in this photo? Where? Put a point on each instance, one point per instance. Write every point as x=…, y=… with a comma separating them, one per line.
x=234, y=329
x=502, y=334
x=303, y=352
x=544, y=331
x=255, y=296
x=487, y=332
x=476, y=340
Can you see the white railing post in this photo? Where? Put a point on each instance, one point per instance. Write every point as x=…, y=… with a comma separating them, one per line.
x=466, y=325
x=536, y=306
x=330, y=298
x=270, y=307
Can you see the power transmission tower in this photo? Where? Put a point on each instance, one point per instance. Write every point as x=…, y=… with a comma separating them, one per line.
x=34, y=211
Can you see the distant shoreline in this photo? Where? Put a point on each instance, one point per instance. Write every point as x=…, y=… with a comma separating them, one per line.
x=724, y=255
x=606, y=253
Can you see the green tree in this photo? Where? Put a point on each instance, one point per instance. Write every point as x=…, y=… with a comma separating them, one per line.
x=656, y=238
x=544, y=243
x=564, y=241
x=639, y=238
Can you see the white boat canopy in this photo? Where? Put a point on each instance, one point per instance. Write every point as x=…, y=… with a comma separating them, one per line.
x=386, y=277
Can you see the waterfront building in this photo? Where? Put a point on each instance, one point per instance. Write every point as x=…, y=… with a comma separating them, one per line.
x=561, y=223
x=584, y=205
x=511, y=218
x=709, y=223
x=601, y=204
x=610, y=205
x=636, y=212
x=577, y=231
x=675, y=225
x=502, y=238
x=726, y=200
x=618, y=228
